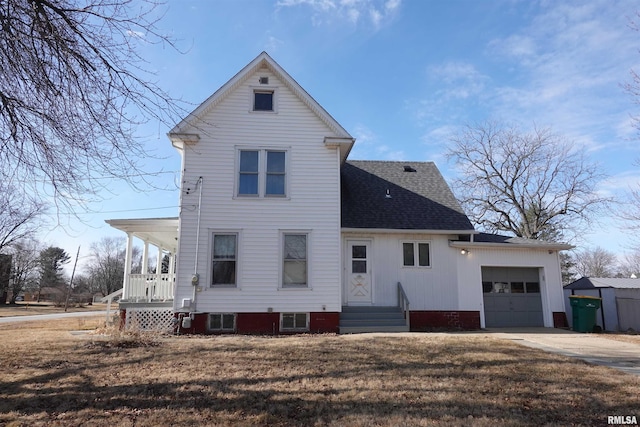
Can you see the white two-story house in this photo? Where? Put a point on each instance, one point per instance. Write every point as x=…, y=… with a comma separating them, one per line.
x=279, y=232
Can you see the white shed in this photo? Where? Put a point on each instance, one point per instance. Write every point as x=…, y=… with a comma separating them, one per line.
x=620, y=308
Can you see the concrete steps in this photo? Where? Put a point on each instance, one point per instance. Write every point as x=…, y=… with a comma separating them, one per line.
x=355, y=320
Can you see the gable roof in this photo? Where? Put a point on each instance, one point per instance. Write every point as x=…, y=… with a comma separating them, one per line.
x=382, y=195
x=604, y=282
x=181, y=132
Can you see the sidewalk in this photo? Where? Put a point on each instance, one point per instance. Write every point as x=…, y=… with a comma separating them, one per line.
x=591, y=348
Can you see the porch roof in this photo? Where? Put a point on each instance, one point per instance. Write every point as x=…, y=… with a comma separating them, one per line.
x=161, y=232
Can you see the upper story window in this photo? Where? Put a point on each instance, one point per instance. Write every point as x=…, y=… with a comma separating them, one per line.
x=416, y=254
x=262, y=173
x=263, y=100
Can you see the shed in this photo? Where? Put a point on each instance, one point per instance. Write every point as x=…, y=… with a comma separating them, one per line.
x=620, y=310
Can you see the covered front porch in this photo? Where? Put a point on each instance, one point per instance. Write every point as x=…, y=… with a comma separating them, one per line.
x=139, y=284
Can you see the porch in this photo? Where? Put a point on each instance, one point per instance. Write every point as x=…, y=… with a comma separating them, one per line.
x=143, y=286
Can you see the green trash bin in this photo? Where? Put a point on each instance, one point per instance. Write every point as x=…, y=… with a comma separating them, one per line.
x=584, y=309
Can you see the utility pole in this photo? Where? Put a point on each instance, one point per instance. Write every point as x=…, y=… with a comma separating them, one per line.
x=73, y=272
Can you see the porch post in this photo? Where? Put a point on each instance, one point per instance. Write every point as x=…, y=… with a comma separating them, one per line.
x=172, y=263
x=158, y=281
x=145, y=258
x=127, y=266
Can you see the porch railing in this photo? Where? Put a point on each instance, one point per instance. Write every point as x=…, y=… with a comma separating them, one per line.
x=403, y=302
x=149, y=287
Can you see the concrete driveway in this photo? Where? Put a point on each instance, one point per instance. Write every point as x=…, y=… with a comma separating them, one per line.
x=592, y=348
x=15, y=319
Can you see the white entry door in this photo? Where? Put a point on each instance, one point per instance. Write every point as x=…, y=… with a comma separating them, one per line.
x=358, y=279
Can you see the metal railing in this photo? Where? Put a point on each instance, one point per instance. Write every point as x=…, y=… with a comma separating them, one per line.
x=150, y=287
x=403, y=302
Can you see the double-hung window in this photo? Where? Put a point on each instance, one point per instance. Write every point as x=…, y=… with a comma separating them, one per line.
x=416, y=254
x=262, y=173
x=225, y=259
x=294, y=260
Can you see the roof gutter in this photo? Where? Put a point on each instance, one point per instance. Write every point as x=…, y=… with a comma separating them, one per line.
x=547, y=246
x=406, y=231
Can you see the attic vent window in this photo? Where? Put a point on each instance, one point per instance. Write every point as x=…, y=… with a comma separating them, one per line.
x=264, y=80
x=408, y=168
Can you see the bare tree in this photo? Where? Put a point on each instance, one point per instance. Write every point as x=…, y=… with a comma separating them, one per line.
x=630, y=264
x=630, y=213
x=73, y=89
x=105, y=270
x=25, y=266
x=19, y=215
x=530, y=184
x=596, y=262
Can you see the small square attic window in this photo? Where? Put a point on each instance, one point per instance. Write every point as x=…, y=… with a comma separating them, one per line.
x=264, y=80
x=263, y=100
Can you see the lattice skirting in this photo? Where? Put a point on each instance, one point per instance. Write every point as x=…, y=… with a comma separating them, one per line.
x=149, y=319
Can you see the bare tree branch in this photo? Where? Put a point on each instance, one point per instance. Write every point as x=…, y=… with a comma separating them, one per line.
x=533, y=185
x=73, y=89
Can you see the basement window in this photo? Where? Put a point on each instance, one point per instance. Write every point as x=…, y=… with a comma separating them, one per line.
x=294, y=322
x=222, y=322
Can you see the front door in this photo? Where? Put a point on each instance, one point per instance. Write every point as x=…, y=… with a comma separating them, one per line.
x=358, y=280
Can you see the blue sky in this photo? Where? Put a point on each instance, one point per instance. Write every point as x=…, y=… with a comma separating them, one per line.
x=400, y=76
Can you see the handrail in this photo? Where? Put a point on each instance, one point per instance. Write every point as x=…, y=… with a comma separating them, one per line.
x=403, y=302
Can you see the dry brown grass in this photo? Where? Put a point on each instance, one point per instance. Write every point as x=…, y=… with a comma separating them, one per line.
x=53, y=378
x=633, y=338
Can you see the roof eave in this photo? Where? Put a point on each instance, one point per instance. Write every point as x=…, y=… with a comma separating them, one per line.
x=505, y=245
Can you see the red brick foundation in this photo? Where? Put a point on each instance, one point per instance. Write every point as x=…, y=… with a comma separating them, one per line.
x=560, y=319
x=432, y=320
x=262, y=323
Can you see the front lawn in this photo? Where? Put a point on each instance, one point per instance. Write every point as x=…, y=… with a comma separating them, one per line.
x=52, y=377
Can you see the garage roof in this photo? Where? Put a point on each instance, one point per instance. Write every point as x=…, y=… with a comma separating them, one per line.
x=604, y=282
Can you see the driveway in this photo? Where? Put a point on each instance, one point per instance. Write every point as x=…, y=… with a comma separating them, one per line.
x=591, y=348
x=15, y=319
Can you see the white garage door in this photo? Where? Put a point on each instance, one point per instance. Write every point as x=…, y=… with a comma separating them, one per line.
x=511, y=297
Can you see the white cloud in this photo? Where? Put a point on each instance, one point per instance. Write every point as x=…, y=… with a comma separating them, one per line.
x=273, y=43
x=369, y=147
x=459, y=79
x=379, y=12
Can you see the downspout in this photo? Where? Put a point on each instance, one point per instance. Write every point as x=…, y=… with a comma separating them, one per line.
x=195, y=279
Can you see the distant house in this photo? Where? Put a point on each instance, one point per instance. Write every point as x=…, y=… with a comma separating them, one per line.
x=279, y=232
x=620, y=308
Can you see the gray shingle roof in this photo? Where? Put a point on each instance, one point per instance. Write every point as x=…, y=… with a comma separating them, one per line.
x=417, y=200
x=604, y=282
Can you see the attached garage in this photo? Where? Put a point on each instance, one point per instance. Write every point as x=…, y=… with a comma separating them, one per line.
x=512, y=297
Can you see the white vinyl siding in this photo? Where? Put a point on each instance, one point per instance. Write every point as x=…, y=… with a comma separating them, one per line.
x=311, y=204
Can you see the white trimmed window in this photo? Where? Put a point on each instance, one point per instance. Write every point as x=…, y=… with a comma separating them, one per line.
x=294, y=260
x=222, y=322
x=294, y=322
x=416, y=254
x=224, y=263
x=263, y=100
x=262, y=173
